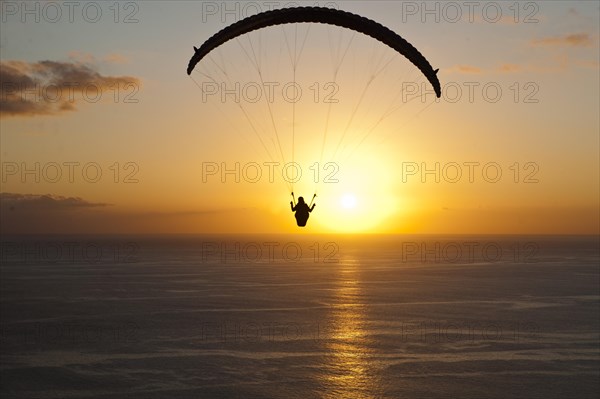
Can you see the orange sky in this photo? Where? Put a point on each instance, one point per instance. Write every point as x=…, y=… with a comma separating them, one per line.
x=512, y=147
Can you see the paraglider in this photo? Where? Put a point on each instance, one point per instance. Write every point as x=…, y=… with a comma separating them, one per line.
x=314, y=15
x=302, y=210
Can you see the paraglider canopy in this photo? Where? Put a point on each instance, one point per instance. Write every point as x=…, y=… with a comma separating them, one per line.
x=325, y=16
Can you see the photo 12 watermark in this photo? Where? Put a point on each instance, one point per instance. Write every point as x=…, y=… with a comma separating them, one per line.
x=268, y=252
x=270, y=92
x=470, y=252
x=470, y=172
x=270, y=171
x=70, y=172
x=52, y=12
x=491, y=12
x=489, y=92
x=439, y=332
x=233, y=11
x=240, y=332
x=118, y=91
x=69, y=252
x=56, y=334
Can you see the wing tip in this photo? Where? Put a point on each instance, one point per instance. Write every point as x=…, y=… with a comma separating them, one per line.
x=189, y=69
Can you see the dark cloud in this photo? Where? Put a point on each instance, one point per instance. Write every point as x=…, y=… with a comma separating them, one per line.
x=52, y=87
x=10, y=202
x=55, y=214
x=33, y=213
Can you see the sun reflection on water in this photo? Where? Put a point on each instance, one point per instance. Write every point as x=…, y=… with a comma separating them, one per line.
x=350, y=371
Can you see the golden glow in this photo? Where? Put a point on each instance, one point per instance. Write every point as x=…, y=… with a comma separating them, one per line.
x=351, y=372
x=361, y=201
x=348, y=201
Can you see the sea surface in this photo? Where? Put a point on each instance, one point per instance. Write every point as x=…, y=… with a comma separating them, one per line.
x=299, y=317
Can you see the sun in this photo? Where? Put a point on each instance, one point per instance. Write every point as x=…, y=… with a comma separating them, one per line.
x=362, y=200
x=348, y=201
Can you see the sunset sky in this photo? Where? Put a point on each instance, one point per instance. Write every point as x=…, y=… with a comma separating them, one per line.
x=102, y=130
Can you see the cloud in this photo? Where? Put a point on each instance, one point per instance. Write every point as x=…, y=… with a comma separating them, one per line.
x=47, y=213
x=465, y=69
x=572, y=40
x=592, y=64
x=87, y=58
x=33, y=203
x=52, y=87
x=556, y=64
x=474, y=70
x=510, y=68
x=56, y=214
x=115, y=58
x=554, y=56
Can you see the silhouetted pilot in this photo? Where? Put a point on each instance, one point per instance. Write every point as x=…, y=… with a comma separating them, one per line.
x=302, y=211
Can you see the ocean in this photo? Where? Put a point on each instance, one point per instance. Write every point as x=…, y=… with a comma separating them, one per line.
x=302, y=316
